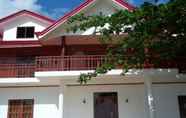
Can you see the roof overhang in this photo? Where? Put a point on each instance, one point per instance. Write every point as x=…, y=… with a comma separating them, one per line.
x=83, y=40
x=77, y=10
x=90, y=39
x=26, y=13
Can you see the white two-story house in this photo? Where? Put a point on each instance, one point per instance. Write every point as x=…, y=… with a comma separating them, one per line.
x=40, y=64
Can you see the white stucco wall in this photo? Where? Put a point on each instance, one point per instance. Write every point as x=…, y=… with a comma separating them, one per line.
x=11, y=28
x=166, y=100
x=105, y=7
x=75, y=108
x=45, y=100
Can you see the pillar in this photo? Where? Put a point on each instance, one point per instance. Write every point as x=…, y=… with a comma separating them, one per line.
x=62, y=89
x=149, y=96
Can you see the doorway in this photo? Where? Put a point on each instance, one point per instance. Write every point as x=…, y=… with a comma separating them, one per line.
x=106, y=105
x=182, y=106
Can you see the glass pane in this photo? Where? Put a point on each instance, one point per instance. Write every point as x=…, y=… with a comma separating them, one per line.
x=30, y=32
x=25, y=60
x=21, y=32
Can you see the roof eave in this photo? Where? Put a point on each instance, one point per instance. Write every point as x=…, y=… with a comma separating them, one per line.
x=44, y=18
x=77, y=10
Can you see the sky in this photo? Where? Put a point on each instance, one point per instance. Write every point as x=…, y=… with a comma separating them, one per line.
x=51, y=8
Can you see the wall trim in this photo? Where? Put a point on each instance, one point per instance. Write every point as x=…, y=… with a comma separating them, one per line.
x=39, y=86
x=109, y=84
x=138, y=83
x=168, y=83
x=71, y=85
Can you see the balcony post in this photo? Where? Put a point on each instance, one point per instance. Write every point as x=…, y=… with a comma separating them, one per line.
x=63, y=51
x=149, y=96
x=62, y=45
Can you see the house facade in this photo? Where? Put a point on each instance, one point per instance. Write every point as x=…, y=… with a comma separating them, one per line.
x=40, y=64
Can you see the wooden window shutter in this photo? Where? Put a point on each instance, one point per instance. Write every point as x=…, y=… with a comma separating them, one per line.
x=20, y=108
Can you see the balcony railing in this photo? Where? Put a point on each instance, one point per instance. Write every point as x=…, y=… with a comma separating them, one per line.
x=17, y=70
x=50, y=63
x=65, y=63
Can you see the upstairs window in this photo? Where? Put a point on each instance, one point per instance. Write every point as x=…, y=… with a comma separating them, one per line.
x=25, y=60
x=1, y=36
x=25, y=32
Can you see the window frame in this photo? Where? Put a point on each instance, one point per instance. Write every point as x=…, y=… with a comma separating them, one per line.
x=21, y=108
x=25, y=30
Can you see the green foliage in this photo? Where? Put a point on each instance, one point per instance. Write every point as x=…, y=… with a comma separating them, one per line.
x=155, y=28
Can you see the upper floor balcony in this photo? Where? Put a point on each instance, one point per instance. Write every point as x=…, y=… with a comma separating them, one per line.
x=10, y=68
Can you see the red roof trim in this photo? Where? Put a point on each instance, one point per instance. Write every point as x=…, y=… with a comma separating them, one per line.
x=78, y=9
x=13, y=44
x=29, y=13
x=65, y=17
x=125, y=5
x=18, y=42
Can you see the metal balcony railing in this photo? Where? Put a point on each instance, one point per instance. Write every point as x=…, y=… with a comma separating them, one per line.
x=10, y=69
x=49, y=63
x=67, y=63
x=17, y=70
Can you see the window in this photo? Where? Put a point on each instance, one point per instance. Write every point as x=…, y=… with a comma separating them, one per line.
x=1, y=36
x=25, y=32
x=20, y=108
x=182, y=106
x=25, y=60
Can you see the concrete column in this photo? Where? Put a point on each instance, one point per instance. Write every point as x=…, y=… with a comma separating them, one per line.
x=62, y=90
x=149, y=98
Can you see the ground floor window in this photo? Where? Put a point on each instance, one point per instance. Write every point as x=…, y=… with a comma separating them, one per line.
x=20, y=108
x=182, y=106
x=105, y=105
